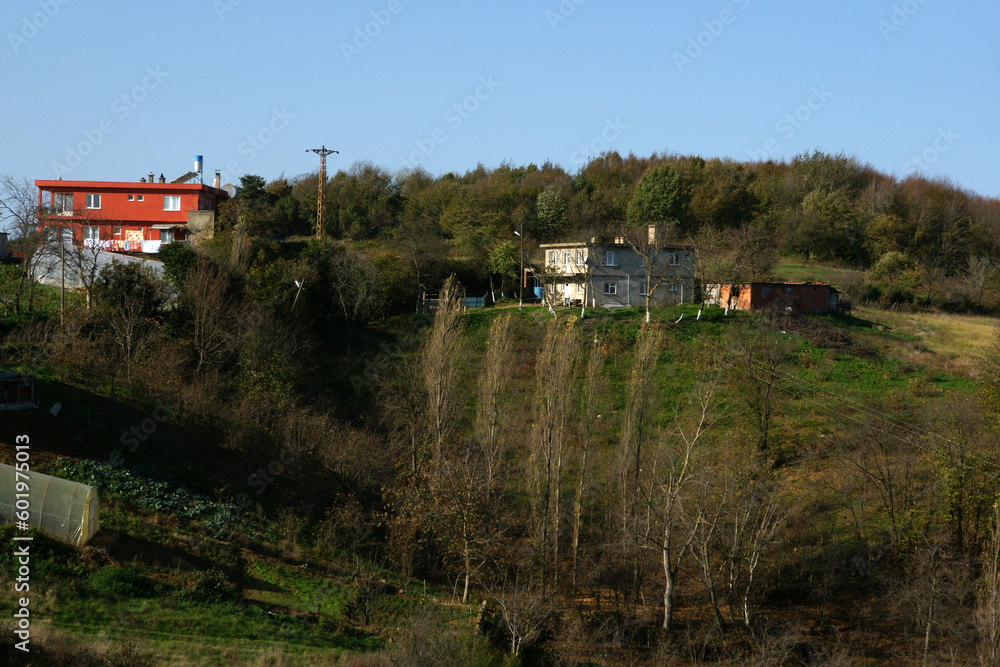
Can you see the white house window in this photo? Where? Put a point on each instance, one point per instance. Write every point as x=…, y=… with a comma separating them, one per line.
x=566, y=257
x=640, y=262
x=579, y=288
x=675, y=259
x=167, y=235
x=118, y=231
x=62, y=203
x=66, y=235
x=91, y=233
x=131, y=197
x=553, y=257
x=50, y=233
x=673, y=287
x=172, y=203
x=611, y=288
x=642, y=289
x=93, y=201
x=610, y=258
x=580, y=257
x=140, y=198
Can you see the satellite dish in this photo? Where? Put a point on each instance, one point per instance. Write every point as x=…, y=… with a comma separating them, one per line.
x=230, y=190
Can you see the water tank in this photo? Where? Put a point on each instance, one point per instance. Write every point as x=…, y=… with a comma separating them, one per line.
x=197, y=164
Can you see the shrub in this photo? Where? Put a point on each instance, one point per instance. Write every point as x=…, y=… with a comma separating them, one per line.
x=119, y=583
x=214, y=584
x=871, y=294
x=898, y=297
x=956, y=303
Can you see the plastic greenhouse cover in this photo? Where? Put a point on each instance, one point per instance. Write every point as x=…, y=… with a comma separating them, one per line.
x=59, y=507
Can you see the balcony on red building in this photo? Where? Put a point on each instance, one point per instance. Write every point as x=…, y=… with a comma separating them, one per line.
x=126, y=217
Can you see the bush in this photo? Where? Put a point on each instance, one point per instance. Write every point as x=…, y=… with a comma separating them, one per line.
x=211, y=585
x=119, y=583
x=214, y=584
x=870, y=294
x=898, y=297
x=956, y=303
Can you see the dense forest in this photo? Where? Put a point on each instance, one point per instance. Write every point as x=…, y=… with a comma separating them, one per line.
x=731, y=488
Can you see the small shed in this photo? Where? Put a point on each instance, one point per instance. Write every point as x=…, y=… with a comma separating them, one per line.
x=18, y=392
x=60, y=507
x=789, y=296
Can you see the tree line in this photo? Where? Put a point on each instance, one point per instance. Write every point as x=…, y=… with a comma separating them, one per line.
x=921, y=240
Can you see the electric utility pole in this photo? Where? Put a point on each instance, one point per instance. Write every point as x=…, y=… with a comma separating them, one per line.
x=322, y=152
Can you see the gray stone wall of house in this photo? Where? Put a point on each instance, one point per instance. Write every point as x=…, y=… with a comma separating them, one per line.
x=618, y=279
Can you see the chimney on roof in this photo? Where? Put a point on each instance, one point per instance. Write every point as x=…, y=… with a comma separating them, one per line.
x=151, y=177
x=163, y=179
x=142, y=180
x=218, y=179
x=652, y=235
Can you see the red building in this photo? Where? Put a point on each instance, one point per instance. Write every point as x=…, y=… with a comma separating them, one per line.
x=127, y=217
x=795, y=297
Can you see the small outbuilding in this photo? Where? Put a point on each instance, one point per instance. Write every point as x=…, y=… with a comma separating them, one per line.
x=790, y=297
x=18, y=392
x=60, y=507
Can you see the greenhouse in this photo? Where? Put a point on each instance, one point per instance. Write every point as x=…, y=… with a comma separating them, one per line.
x=59, y=507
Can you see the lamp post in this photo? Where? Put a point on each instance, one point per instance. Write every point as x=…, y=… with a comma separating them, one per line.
x=520, y=279
x=299, y=285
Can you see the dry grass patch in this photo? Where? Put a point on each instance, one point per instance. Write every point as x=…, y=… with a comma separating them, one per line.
x=952, y=344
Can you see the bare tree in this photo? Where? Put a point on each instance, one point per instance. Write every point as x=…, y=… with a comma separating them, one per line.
x=554, y=372
x=403, y=403
x=130, y=295
x=636, y=437
x=978, y=272
x=987, y=614
x=932, y=273
x=463, y=514
x=734, y=256
x=549, y=276
x=710, y=501
x=754, y=520
x=440, y=363
x=207, y=294
x=19, y=204
x=594, y=385
x=933, y=593
x=82, y=252
x=523, y=612
x=889, y=466
x=678, y=459
x=761, y=352
x=655, y=265
x=423, y=251
x=493, y=380
x=587, y=267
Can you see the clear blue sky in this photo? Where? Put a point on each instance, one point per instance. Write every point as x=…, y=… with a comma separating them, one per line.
x=111, y=91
